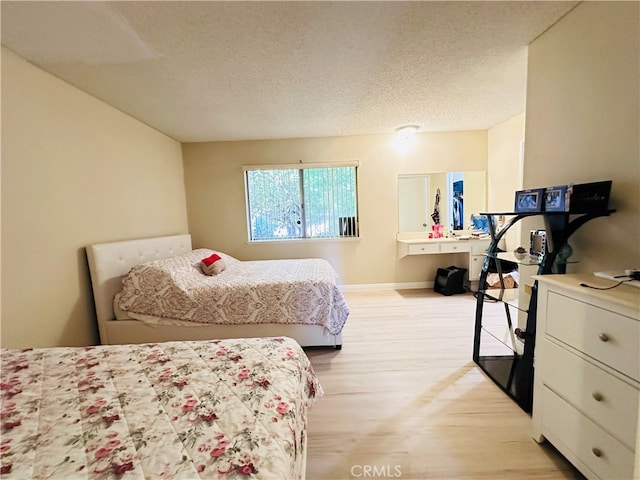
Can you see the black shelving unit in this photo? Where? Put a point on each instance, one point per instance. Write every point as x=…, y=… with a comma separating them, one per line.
x=509, y=362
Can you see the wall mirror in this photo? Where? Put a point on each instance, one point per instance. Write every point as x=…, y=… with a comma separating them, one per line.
x=461, y=194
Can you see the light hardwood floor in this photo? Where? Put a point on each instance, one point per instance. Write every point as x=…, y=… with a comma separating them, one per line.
x=403, y=399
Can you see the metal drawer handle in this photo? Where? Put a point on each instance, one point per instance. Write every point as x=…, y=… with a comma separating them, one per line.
x=597, y=396
x=604, y=337
x=596, y=451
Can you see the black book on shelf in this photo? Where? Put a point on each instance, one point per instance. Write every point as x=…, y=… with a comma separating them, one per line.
x=589, y=197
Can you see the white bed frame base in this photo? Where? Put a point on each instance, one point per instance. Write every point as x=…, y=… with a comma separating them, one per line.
x=110, y=262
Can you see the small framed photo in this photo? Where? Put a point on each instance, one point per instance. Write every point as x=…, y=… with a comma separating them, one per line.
x=555, y=198
x=529, y=200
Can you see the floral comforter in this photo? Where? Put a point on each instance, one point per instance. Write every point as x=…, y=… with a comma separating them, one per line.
x=302, y=291
x=184, y=410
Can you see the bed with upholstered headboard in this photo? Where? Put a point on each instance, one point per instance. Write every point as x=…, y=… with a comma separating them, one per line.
x=110, y=262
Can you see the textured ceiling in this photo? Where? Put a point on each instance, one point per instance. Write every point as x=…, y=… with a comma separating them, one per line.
x=204, y=71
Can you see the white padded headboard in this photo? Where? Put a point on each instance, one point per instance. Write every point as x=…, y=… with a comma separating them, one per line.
x=109, y=262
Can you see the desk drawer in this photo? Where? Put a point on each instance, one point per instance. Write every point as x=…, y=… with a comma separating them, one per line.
x=453, y=247
x=606, y=336
x=605, y=399
x=422, y=248
x=569, y=429
x=475, y=266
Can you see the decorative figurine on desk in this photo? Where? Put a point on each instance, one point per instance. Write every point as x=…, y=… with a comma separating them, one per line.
x=519, y=253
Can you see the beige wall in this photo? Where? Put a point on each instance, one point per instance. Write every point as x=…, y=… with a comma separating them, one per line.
x=583, y=122
x=75, y=171
x=505, y=171
x=216, y=204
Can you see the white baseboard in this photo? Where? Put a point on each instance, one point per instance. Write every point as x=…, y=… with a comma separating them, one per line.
x=385, y=286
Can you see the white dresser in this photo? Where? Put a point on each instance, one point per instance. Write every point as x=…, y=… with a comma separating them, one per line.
x=587, y=374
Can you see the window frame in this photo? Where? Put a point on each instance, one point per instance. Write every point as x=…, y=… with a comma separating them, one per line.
x=302, y=166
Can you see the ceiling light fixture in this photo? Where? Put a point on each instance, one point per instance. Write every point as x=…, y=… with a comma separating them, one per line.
x=407, y=131
x=405, y=139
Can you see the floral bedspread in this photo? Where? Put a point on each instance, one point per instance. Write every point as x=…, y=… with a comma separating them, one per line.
x=184, y=410
x=302, y=291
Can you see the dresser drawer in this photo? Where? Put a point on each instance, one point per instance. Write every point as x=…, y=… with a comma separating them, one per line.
x=453, y=247
x=422, y=248
x=569, y=429
x=605, y=399
x=606, y=336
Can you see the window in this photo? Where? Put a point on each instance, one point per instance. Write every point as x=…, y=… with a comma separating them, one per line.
x=309, y=202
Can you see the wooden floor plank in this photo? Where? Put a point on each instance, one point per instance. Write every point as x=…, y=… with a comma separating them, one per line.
x=404, y=400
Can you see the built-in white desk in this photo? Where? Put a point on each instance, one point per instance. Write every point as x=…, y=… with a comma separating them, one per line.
x=420, y=244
